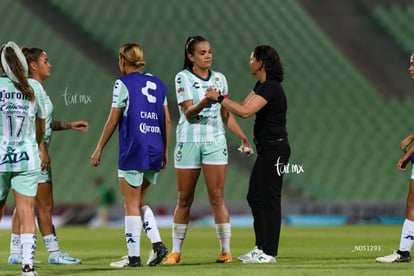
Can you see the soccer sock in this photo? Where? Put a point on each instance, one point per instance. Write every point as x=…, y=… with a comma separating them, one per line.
x=15, y=244
x=224, y=233
x=133, y=235
x=178, y=234
x=407, y=235
x=28, y=248
x=149, y=224
x=51, y=243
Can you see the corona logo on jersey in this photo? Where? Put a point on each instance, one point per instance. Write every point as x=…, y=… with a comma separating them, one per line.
x=144, y=127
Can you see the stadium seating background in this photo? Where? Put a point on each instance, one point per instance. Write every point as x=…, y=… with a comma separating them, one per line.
x=342, y=131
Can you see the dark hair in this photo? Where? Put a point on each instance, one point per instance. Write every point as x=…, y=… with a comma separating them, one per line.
x=271, y=62
x=16, y=67
x=189, y=49
x=32, y=54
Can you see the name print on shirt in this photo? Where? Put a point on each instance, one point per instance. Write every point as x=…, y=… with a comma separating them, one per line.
x=75, y=98
x=282, y=168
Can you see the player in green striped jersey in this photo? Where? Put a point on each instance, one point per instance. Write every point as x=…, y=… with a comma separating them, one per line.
x=39, y=70
x=22, y=130
x=201, y=144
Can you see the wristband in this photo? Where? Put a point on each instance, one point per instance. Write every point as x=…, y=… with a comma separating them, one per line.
x=220, y=98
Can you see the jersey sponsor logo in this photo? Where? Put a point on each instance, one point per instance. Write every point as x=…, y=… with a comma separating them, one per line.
x=144, y=128
x=149, y=115
x=149, y=85
x=196, y=85
x=5, y=95
x=12, y=107
x=12, y=157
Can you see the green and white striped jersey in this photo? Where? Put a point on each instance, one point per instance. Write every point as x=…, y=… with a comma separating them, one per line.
x=48, y=110
x=18, y=145
x=207, y=126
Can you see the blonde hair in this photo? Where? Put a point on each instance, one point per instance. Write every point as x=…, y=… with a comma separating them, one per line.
x=133, y=54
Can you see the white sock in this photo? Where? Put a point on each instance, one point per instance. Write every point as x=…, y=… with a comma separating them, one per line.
x=149, y=224
x=178, y=234
x=51, y=243
x=407, y=235
x=133, y=235
x=28, y=248
x=15, y=245
x=224, y=233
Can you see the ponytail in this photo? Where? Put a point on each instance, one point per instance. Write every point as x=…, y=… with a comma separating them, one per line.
x=15, y=67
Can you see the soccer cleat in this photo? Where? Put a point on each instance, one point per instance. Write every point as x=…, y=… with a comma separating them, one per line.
x=155, y=256
x=63, y=258
x=17, y=259
x=262, y=258
x=224, y=258
x=394, y=258
x=122, y=263
x=251, y=254
x=173, y=258
x=134, y=262
x=28, y=271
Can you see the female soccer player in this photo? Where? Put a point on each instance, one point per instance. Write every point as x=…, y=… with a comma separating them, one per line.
x=407, y=235
x=268, y=101
x=139, y=108
x=201, y=144
x=22, y=130
x=39, y=70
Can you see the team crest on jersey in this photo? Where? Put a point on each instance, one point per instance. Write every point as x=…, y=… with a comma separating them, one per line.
x=180, y=90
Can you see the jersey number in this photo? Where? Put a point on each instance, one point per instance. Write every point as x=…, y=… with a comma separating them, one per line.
x=16, y=125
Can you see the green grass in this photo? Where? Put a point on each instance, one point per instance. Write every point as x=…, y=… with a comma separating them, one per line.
x=347, y=250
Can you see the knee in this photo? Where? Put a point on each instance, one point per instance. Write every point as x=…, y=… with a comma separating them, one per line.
x=45, y=207
x=216, y=201
x=185, y=200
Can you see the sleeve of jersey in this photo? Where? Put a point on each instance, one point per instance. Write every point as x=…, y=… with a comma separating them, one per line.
x=182, y=88
x=40, y=98
x=119, y=95
x=225, y=91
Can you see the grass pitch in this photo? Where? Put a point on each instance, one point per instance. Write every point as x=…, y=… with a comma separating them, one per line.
x=346, y=250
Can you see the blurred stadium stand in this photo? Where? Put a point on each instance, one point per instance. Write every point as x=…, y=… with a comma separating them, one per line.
x=347, y=83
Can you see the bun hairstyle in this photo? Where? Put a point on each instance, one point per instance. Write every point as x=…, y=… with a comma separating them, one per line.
x=14, y=65
x=189, y=49
x=133, y=54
